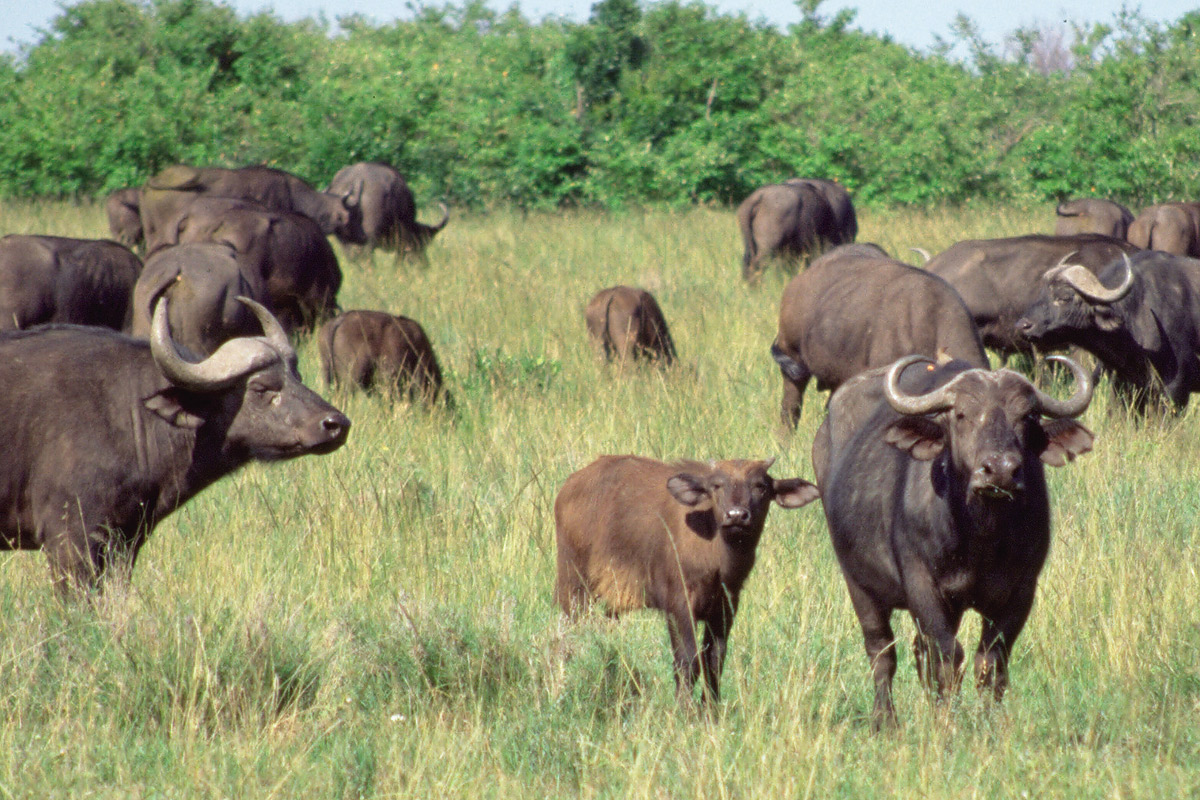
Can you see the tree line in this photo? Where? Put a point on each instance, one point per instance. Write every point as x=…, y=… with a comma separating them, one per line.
x=668, y=103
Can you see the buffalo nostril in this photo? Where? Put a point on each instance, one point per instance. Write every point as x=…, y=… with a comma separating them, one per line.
x=335, y=425
x=737, y=516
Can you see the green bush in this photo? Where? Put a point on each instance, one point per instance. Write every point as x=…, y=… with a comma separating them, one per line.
x=669, y=103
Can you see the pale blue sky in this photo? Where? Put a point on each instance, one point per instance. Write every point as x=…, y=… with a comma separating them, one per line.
x=911, y=23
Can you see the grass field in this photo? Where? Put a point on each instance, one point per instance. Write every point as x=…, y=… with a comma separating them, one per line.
x=379, y=622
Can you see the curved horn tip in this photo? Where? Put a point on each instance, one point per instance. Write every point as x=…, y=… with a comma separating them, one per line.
x=1078, y=402
x=272, y=329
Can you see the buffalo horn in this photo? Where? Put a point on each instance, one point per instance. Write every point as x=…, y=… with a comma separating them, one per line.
x=1082, y=280
x=1076, y=403
x=937, y=400
x=232, y=360
x=273, y=332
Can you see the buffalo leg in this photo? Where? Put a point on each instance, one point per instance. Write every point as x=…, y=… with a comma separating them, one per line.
x=938, y=654
x=682, y=629
x=793, y=397
x=876, y=622
x=995, y=644
x=712, y=655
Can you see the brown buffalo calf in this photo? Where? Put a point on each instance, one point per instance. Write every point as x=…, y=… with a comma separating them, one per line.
x=637, y=533
x=368, y=348
x=627, y=323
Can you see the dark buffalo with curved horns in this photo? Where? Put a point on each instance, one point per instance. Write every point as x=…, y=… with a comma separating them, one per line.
x=1092, y=215
x=389, y=212
x=169, y=192
x=790, y=220
x=937, y=503
x=999, y=278
x=110, y=434
x=47, y=279
x=853, y=309
x=1139, y=317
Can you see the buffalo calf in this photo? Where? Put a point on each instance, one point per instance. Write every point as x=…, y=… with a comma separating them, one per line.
x=624, y=322
x=636, y=533
x=374, y=348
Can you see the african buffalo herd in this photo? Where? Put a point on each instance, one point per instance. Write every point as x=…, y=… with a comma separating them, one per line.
x=929, y=463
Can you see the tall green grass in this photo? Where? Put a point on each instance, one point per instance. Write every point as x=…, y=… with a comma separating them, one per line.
x=379, y=623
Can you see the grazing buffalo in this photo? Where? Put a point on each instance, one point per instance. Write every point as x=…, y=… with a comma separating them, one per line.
x=1171, y=228
x=123, y=208
x=203, y=282
x=792, y=220
x=167, y=194
x=625, y=322
x=839, y=202
x=389, y=213
x=936, y=503
x=999, y=278
x=283, y=253
x=853, y=309
x=110, y=434
x=636, y=533
x=54, y=279
x=374, y=348
x=1092, y=215
x=1140, y=318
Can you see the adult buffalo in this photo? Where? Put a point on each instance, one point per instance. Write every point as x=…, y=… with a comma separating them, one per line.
x=1092, y=215
x=123, y=208
x=1139, y=317
x=389, y=212
x=839, y=202
x=853, y=309
x=374, y=348
x=936, y=503
x=1170, y=227
x=625, y=322
x=109, y=434
x=284, y=255
x=56, y=279
x=203, y=281
x=791, y=220
x=999, y=278
x=166, y=195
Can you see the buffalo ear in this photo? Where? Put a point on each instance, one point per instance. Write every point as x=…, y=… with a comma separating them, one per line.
x=1065, y=439
x=920, y=437
x=167, y=404
x=689, y=490
x=795, y=492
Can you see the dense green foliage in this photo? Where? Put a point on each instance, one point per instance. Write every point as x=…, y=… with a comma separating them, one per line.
x=667, y=102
